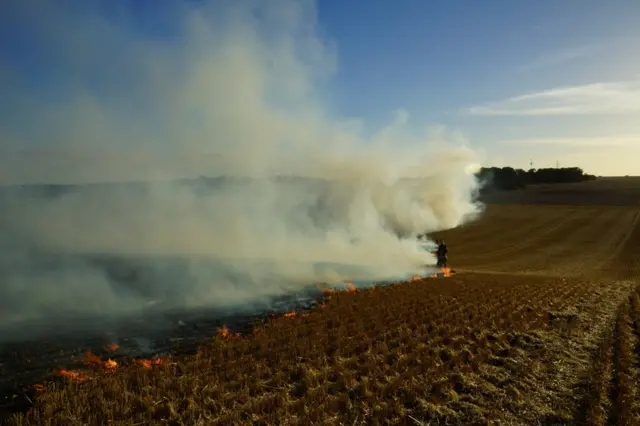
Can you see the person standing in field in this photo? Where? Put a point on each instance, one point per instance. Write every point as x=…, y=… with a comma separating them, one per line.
x=442, y=253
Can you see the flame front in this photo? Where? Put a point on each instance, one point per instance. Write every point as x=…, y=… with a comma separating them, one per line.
x=92, y=359
x=148, y=363
x=351, y=288
x=110, y=365
x=76, y=376
x=444, y=272
x=224, y=333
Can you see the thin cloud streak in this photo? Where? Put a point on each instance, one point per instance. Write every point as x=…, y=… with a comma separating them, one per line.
x=586, y=142
x=561, y=56
x=614, y=97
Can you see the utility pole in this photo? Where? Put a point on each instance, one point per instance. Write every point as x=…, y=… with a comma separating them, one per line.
x=531, y=164
x=557, y=164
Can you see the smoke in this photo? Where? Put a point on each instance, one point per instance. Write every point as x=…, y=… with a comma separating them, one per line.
x=232, y=91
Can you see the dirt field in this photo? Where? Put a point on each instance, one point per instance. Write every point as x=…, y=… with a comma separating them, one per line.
x=540, y=325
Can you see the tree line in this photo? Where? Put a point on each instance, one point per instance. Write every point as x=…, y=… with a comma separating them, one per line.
x=508, y=178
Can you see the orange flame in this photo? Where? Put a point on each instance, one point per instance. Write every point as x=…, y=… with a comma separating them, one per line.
x=224, y=333
x=76, y=376
x=445, y=272
x=110, y=364
x=91, y=358
x=350, y=288
x=294, y=314
x=112, y=347
x=148, y=363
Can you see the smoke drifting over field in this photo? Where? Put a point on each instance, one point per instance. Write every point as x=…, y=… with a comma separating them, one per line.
x=235, y=95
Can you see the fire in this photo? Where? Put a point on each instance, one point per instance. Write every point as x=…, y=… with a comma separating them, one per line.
x=110, y=364
x=351, y=288
x=444, y=272
x=294, y=314
x=224, y=333
x=76, y=376
x=92, y=359
x=112, y=347
x=148, y=363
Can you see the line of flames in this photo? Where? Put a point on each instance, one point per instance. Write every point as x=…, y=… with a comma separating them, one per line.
x=96, y=363
x=110, y=365
x=224, y=333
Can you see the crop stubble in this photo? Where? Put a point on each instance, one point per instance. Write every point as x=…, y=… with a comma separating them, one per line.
x=543, y=326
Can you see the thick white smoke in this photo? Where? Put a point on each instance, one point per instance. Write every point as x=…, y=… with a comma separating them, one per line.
x=234, y=95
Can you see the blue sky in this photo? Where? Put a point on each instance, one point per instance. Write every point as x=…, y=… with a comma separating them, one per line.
x=439, y=60
x=515, y=81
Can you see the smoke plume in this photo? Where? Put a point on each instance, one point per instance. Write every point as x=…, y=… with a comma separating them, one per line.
x=232, y=92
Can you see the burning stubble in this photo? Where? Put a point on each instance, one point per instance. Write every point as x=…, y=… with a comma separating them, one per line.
x=294, y=196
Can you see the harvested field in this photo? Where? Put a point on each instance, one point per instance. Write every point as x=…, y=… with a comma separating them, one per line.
x=620, y=191
x=540, y=325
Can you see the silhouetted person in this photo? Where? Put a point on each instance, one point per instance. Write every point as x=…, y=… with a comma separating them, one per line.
x=441, y=253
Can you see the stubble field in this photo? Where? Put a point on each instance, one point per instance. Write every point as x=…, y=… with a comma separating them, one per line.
x=540, y=325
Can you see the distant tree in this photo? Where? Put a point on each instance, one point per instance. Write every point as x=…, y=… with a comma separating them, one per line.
x=508, y=178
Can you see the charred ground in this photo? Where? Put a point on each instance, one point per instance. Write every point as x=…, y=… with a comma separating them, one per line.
x=541, y=325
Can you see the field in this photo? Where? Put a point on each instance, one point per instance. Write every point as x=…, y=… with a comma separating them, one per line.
x=540, y=325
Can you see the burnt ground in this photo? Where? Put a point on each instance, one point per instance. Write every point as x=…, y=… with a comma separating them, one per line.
x=30, y=361
x=33, y=353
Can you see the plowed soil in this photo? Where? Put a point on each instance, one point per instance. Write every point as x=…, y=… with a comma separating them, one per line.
x=540, y=325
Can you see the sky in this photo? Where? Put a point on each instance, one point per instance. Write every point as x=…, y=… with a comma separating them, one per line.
x=125, y=89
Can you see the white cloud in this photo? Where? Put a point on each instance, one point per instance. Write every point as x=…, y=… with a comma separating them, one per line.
x=620, y=97
x=586, y=142
x=561, y=56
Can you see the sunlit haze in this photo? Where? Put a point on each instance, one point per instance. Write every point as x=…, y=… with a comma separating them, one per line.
x=308, y=182
x=134, y=90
